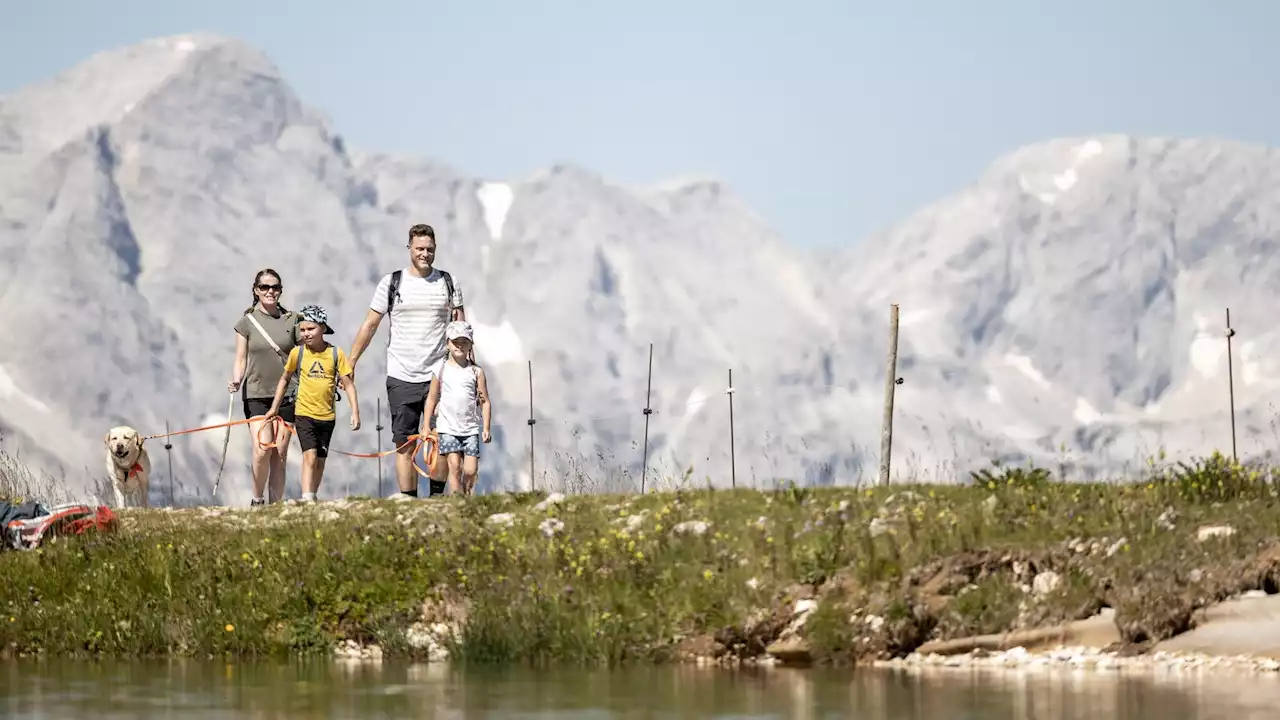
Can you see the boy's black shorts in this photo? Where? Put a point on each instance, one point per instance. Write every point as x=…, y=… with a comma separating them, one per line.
x=314, y=434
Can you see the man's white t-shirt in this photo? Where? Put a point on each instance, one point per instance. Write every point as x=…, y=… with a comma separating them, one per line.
x=418, y=319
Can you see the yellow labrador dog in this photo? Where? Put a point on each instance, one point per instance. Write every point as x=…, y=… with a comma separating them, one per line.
x=128, y=466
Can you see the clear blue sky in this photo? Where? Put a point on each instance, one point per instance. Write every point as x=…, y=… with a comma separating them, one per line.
x=832, y=119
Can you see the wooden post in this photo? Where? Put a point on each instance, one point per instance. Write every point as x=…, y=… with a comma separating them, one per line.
x=644, y=465
x=890, y=379
x=1231, y=387
x=532, y=483
x=733, y=469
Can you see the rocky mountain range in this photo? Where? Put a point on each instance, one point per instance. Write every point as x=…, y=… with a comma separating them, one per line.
x=1066, y=306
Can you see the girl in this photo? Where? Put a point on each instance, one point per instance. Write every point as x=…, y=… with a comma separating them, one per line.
x=460, y=390
x=265, y=333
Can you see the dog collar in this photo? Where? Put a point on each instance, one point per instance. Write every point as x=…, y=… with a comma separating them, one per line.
x=137, y=468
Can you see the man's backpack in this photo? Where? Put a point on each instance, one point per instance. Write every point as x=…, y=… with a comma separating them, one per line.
x=297, y=371
x=393, y=290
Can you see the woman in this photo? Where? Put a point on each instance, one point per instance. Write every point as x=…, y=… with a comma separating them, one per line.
x=265, y=334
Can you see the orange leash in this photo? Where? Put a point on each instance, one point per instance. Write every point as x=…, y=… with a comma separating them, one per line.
x=199, y=429
x=432, y=440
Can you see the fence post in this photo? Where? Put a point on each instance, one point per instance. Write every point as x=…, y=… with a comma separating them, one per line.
x=168, y=450
x=733, y=467
x=1231, y=387
x=532, y=483
x=644, y=464
x=377, y=427
x=890, y=380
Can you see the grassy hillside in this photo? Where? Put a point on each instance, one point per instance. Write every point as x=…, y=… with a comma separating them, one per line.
x=842, y=574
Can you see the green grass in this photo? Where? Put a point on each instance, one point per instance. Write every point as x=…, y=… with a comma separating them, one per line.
x=617, y=583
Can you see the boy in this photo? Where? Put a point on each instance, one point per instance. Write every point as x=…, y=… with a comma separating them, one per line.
x=321, y=367
x=460, y=394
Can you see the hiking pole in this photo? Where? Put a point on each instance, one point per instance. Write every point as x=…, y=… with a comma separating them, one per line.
x=644, y=467
x=1231, y=388
x=733, y=469
x=378, y=429
x=532, y=485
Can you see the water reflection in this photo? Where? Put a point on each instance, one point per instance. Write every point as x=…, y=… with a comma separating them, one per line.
x=267, y=691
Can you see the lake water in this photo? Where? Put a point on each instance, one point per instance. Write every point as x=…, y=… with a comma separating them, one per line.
x=233, y=690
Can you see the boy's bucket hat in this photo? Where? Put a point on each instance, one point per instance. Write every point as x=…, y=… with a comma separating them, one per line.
x=317, y=315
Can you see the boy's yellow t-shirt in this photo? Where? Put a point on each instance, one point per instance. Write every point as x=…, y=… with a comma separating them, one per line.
x=317, y=381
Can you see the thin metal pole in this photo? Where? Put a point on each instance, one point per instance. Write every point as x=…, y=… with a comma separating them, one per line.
x=532, y=483
x=644, y=467
x=378, y=429
x=890, y=379
x=1231, y=387
x=168, y=449
x=733, y=466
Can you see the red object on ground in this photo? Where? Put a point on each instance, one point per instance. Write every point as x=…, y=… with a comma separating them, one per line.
x=62, y=520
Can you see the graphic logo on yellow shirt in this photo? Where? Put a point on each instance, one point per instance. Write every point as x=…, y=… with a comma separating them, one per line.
x=317, y=371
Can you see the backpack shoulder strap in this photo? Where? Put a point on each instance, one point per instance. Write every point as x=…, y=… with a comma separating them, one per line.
x=448, y=286
x=393, y=292
x=297, y=369
x=333, y=350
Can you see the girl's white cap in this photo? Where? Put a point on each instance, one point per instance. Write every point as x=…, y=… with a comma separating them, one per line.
x=458, y=329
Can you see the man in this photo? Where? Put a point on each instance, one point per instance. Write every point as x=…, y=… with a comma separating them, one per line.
x=421, y=307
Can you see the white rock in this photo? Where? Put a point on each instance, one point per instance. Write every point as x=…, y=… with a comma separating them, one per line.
x=1117, y=546
x=553, y=499
x=879, y=526
x=694, y=527
x=1046, y=582
x=1214, y=531
x=634, y=522
x=503, y=519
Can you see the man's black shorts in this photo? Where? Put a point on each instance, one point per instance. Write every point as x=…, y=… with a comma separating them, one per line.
x=314, y=434
x=406, y=402
x=257, y=407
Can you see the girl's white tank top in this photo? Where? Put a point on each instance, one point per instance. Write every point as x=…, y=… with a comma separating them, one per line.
x=457, y=412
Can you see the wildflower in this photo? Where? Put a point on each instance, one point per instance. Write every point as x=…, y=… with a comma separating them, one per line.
x=230, y=628
x=706, y=574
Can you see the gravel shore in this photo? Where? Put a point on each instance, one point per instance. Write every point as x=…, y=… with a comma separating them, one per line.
x=1085, y=658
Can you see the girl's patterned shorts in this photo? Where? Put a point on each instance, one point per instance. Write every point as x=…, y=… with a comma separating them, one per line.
x=468, y=445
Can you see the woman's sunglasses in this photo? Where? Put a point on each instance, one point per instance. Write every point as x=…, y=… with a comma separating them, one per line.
x=263, y=287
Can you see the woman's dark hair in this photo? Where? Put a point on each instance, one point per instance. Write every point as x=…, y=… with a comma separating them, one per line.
x=258, y=278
